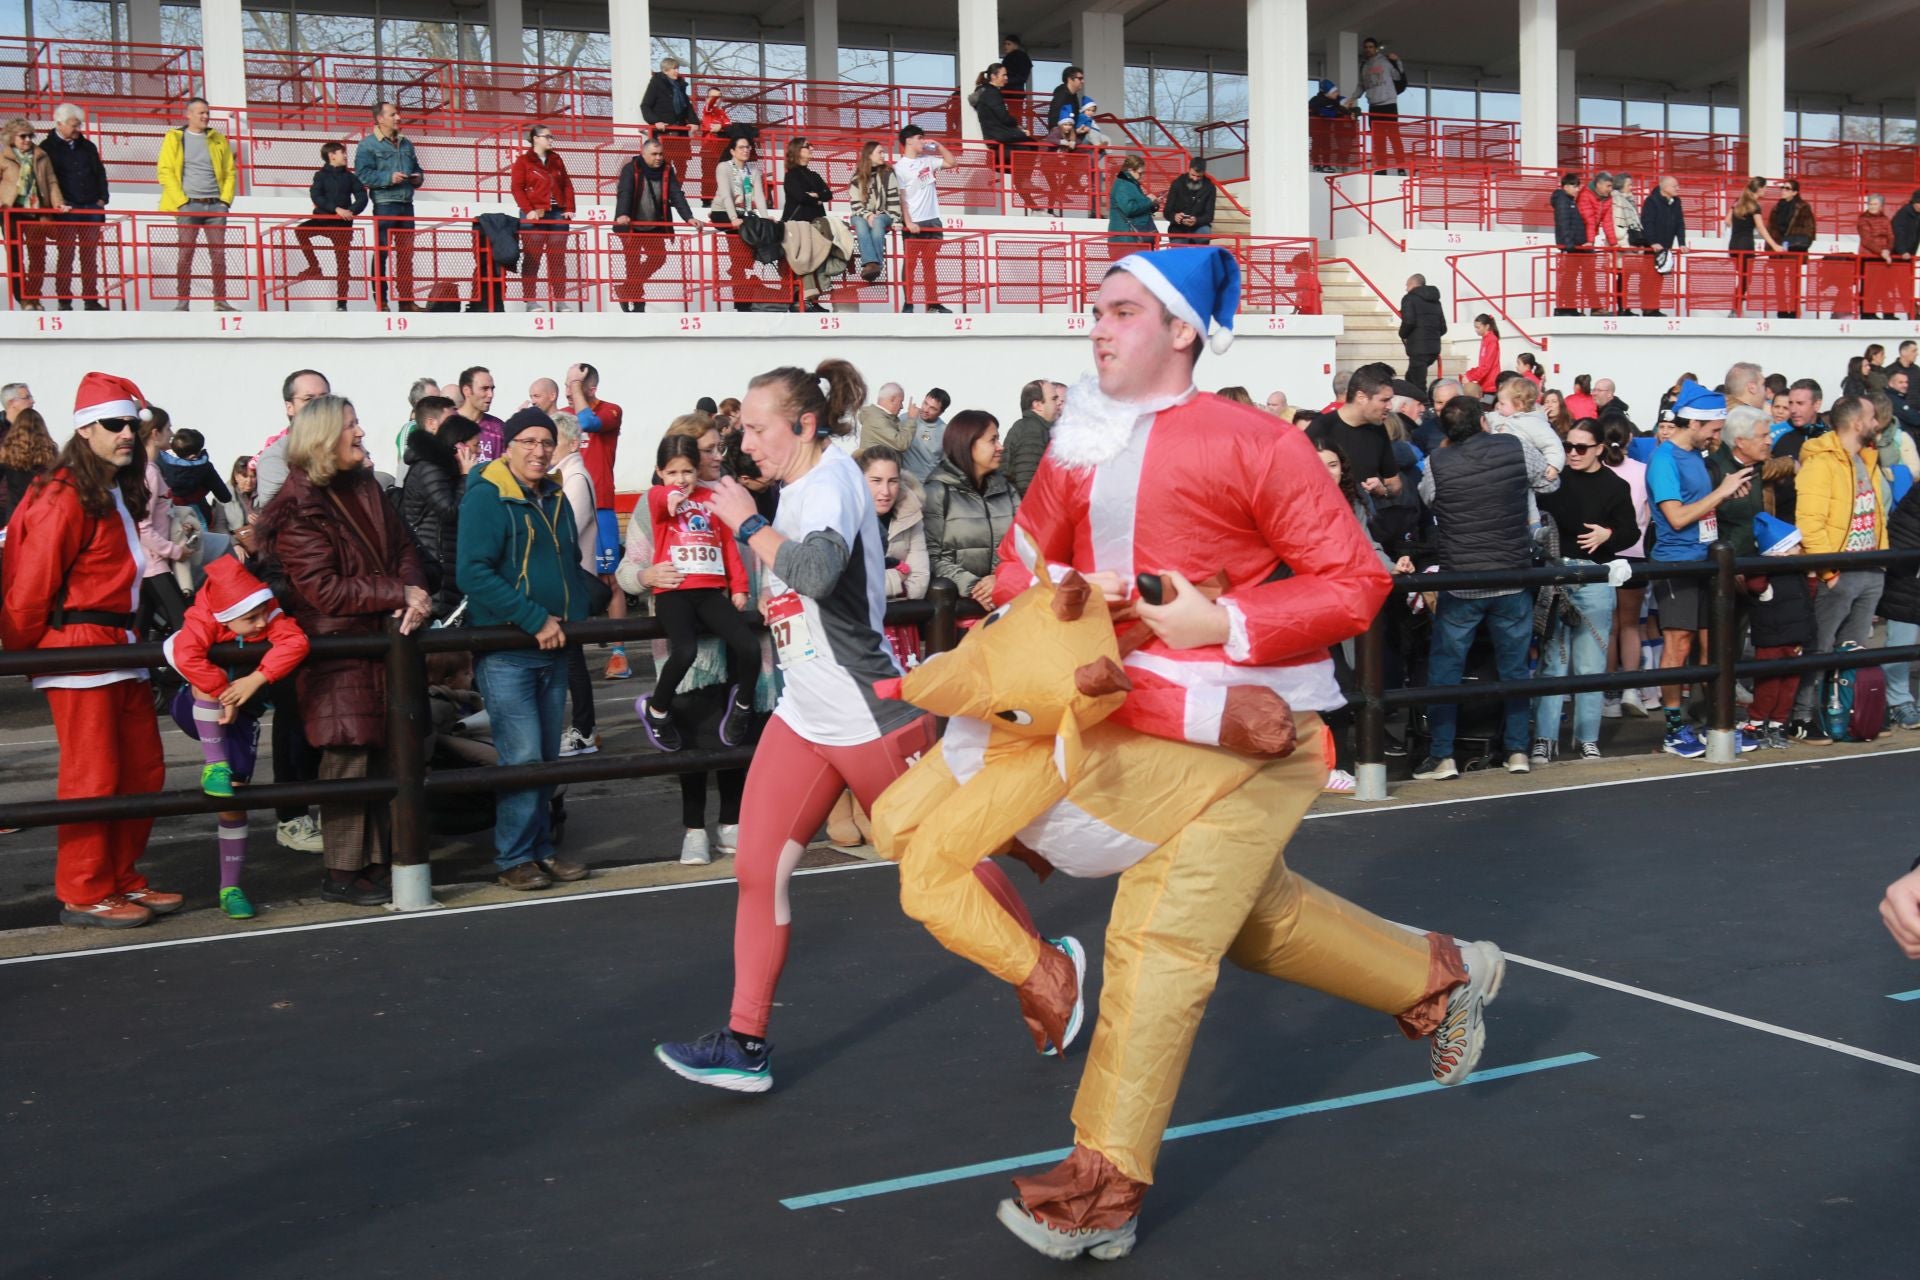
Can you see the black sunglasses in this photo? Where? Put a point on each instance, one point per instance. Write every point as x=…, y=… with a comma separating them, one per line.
x=115, y=426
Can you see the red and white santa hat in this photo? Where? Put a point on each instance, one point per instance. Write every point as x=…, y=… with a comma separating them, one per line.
x=105, y=395
x=232, y=591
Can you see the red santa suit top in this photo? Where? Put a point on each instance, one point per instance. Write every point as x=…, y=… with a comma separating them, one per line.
x=1203, y=486
x=50, y=537
x=187, y=648
x=696, y=542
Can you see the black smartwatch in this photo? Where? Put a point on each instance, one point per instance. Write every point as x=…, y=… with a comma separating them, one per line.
x=750, y=526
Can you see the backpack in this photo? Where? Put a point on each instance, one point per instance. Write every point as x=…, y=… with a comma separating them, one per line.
x=1853, y=702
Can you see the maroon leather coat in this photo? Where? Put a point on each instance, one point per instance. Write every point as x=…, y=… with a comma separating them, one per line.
x=347, y=560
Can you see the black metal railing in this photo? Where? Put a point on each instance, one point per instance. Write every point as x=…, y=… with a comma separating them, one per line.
x=409, y=782
x=1721, y=672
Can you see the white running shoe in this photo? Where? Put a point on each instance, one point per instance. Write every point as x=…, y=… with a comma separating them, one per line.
x=694, y=851
x=575, y=743
x=301, y=834
x=1517, y=762
x=1104, y=1243
x=1462, y=1034
x=728, y=842
x=1630, y=702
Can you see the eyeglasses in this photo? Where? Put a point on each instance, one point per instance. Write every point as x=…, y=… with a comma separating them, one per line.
x=534, y=443
x=718, y=451
x=1581, y=448
x=116, y=426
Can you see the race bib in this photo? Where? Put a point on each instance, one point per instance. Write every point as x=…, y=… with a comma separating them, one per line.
x=787, y=624
x=692, y=558
x=1710, y=527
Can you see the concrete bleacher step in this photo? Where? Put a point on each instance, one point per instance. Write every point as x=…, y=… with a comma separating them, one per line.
x=1372, y=331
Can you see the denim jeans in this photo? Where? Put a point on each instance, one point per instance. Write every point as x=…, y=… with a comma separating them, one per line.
x=1580, y=650
x=1899, y=688
x=1509, y=620
x=871, y=233
x=526, y=693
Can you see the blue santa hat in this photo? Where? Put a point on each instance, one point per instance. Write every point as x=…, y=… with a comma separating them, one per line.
x=1198, y=285
x=1699, y=404
x=1774, y=536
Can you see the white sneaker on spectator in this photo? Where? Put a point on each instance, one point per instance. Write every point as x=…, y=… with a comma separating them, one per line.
x=694, y=850
x=1517, y=762
x=301, y=834
x=727, y=839
x=1434, y=770
x=575, y=743
x=1630, y=702
x=1610, y=709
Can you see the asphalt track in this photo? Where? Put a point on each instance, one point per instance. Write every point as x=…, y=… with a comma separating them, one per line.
x=471, y=1094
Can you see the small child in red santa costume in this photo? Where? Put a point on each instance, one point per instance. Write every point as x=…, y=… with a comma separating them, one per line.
x=232, y=605
x=74, y=565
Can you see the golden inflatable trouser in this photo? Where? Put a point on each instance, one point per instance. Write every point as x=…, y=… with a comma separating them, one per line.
x=1222, y=889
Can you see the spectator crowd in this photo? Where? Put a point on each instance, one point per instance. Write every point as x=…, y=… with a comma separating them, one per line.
x=474, y=519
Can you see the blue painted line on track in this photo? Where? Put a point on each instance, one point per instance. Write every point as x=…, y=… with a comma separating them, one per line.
x=1905, y=995
x=959, y=1173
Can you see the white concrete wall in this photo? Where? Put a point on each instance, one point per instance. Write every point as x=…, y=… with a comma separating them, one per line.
x=224, y=379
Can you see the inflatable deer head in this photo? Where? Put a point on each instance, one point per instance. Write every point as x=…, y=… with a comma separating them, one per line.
x=1045, y=665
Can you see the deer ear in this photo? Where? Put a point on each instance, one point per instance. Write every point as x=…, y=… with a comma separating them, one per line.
x=1101, y=677
x=1070, y=596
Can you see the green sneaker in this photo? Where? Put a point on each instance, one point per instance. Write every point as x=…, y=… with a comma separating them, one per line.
x=234, y=902
x=217, y=780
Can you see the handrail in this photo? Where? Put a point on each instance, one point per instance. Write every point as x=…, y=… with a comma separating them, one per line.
x=1336, y=197
x=1453, y=264
x=1366, y=280
x=1723, y=670
x=1221, y=189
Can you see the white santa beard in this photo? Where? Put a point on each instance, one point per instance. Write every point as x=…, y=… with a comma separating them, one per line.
x=1094, y=428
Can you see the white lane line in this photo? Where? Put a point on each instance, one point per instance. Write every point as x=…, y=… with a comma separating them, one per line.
x=1752, y=1024
x=862, y=866
x=445, y=913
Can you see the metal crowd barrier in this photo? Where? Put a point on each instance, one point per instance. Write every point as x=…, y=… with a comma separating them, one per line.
x=1721, y=672
x=410, y=782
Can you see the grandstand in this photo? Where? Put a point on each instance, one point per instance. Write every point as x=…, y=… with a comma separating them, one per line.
x=1327, y=215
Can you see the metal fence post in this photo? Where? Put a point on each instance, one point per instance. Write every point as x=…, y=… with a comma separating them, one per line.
x=1370, y=725
x=1723, y=746
x=407, y=725
x=943, y=629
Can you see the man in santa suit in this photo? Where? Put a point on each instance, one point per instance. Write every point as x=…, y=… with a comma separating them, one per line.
x=74, y=566
x=1146, y=476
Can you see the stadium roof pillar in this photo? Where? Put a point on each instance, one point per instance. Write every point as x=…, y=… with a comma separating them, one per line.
x=506, y=18
x=143, y=21
x=630, y=35
x=1342, y=55
x=1765, y=120
x=1277, y=161
x=1100, y=47
x=1540, y=84
x=978, y=45
x=223, y=53
x=822, y=19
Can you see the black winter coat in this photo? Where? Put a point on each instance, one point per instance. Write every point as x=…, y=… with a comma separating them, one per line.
x=1423, y=321
x=662, y=103
x=996, y=122
x=1480, y=503
x=336, y=187
x=430, y=504
x=1185, y=196
x=1786, y=618
x=1900, y=602
x=1569, y=228
x=1662, y=221
x=627, y=202
x=1906, y=230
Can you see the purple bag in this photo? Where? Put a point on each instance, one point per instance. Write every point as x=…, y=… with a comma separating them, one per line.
x=243, y=735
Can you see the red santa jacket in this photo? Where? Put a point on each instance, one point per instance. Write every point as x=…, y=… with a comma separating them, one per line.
x=1209, y=487
x=539, y=187
x=51, y=536
x=187, y=648
x=696, y=542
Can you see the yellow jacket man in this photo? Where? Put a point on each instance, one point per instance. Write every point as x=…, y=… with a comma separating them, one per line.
x=196, y=174
x=1841, y=505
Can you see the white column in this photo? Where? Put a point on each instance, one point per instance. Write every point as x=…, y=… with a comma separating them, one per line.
x=823, y=39
x=1341, y=50
x=1569, y=89
x=1276, y=126
x=506, y=19
x=1100, y=49
x=630, y=35
x=143, y=21
x=1765, y=120
x=223, y=53
x=1539, y=84
x=978, y=45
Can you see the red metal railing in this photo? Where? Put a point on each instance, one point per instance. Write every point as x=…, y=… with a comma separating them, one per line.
x=258, y=262
x=1649, y=153
x=1535, y=282
x=152, y=79
x=339, y=90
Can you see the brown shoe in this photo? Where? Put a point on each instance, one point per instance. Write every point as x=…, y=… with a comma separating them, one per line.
x=527, y=877
x=161, y=904
x=564, y=871
x=113, y=912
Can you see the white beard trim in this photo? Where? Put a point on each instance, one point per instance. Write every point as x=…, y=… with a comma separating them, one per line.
x=1095, y=428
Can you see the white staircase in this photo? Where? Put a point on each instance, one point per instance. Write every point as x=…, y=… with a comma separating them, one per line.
x=1372, y=327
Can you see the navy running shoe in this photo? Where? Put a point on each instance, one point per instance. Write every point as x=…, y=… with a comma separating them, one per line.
x=737, y=721
x=718, y=1059
x=659, y=726
x=1685, y=743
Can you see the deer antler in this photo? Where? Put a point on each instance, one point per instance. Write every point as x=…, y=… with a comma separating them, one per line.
x=1070, y=596
x=1101, y=676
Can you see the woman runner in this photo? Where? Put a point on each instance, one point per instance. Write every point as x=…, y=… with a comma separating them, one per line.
x=826, y=600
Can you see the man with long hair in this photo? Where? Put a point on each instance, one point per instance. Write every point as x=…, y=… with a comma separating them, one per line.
x=74, y=566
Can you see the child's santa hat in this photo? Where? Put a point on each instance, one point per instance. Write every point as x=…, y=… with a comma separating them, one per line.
x=1200, y=286
x=104, y=395
x=232, y=591
x=1775, y=536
